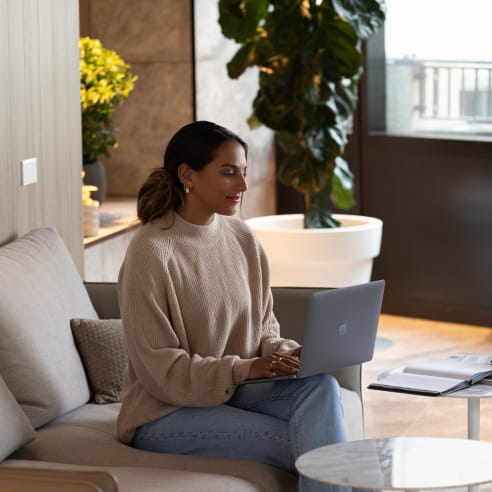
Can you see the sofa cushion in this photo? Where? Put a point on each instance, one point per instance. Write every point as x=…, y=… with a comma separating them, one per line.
x=87, y=436
x=101, y=344
x=40, y=292
x=15, y=428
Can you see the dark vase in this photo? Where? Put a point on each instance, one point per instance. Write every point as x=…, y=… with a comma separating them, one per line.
x=95, y=175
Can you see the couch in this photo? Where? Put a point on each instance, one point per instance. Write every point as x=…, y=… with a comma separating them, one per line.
x=53, y=431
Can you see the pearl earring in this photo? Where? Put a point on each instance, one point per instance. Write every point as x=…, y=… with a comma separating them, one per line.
x=187, y=190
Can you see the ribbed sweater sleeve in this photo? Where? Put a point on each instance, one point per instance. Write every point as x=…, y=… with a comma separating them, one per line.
x=197, y=310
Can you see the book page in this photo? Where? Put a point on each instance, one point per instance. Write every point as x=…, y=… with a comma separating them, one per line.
x=449, y=368
x=418, y=382
x=473, y=358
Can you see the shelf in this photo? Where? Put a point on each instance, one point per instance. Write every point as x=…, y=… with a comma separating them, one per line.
x=117, y=215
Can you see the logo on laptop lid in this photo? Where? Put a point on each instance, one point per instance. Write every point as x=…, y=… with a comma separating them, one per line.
x=343, y=329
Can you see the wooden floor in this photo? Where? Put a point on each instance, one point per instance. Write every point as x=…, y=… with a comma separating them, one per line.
x=403, y=341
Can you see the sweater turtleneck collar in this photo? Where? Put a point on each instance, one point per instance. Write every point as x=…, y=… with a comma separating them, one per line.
x=186, y=231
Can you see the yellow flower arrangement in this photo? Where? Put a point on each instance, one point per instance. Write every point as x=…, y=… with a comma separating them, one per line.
x=105, y=82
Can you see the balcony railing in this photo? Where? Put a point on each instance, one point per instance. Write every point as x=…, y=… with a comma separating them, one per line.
x=447, y=90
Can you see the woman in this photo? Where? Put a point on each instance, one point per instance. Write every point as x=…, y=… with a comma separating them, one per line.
x=197, y=312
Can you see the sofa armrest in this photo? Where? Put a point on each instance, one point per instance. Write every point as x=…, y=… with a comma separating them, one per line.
x=290, y=305
x=47, y=480
x=104, y=298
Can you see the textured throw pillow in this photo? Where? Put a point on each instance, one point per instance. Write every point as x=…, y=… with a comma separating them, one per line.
x=15, y=428
x=102, y=347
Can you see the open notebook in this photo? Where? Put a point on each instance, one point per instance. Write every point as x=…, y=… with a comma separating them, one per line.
x=435, y=377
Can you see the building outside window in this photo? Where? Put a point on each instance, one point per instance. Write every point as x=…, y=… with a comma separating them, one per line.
x=438, y=64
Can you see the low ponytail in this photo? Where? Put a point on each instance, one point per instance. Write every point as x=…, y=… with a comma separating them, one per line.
x=158, y=196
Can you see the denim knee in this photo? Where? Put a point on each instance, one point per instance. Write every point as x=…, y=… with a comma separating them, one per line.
x=324, y=381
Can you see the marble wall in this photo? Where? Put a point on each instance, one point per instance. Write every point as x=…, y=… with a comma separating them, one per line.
x=229, y=103
x=155, y=38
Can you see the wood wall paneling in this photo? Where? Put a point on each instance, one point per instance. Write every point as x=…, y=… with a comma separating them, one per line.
x=40, y=117
x=435, y=201
x=17, y=111
x=7, y=177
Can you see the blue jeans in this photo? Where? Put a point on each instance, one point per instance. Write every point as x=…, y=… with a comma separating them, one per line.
x=270, y=423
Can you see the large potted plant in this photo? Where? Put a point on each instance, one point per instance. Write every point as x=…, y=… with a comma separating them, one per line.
x=310, y=64
x=105, y=82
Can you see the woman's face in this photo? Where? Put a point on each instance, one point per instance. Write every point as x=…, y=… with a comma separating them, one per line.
x=218, y=187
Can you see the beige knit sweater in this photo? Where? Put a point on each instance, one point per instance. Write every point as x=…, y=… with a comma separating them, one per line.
x=197, y=310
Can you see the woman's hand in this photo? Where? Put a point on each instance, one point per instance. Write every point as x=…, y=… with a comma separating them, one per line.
x=271, y=365
x=297, y=352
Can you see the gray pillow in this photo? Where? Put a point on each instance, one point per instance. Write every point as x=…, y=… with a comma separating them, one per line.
x=40, y=292
x=102, y=347
x=15, y=428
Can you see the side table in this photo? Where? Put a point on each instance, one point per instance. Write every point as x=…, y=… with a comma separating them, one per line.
x=402, y=463
x=473, y=394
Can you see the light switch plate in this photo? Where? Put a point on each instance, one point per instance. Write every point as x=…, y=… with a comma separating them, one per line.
x=29, y=171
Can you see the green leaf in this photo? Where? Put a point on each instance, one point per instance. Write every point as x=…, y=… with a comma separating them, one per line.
x=286, y=28
x=342, y=190
x=343, y=173
x=345, y=97
x=336, y=134
x=317, y=217
x=300, y=172
x=327, y=143
x=276, y=117
x=254, y=122
x=244, y=58
x=366, y=16
x=312, y=94
x=320, y=116
x=289, y=142
x=342, y=57
x=281, y=82
x=316, y=141
x=319, y=91
x=240, y=19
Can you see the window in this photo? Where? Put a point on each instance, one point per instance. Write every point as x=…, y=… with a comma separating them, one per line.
x=438, y=67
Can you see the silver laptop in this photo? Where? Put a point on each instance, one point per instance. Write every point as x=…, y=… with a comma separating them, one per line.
x=340, y=329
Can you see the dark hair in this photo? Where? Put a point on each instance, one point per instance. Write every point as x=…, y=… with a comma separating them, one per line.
x=194, y=144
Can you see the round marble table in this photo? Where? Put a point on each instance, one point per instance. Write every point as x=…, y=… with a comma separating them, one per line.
x=402, y=463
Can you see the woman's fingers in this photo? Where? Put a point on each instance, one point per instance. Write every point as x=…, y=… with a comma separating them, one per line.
x=271, y=365
x=297, y=352
x=284, y=363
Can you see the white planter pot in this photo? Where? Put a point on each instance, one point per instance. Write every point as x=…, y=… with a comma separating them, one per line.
x=319, y=257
